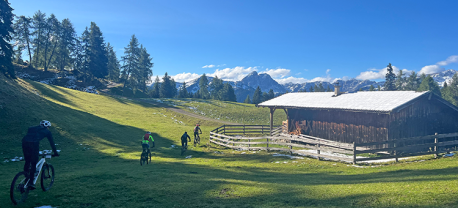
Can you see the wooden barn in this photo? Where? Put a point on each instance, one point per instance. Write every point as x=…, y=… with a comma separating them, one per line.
x=365, y=117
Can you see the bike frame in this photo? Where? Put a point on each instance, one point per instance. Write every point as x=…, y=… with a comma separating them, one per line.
x=39, y=168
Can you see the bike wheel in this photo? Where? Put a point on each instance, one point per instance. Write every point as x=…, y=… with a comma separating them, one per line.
x=47, y=177
x=142, y=159
x=149, y=155
x=198, y=140
x=195, y=142
x=18, y=190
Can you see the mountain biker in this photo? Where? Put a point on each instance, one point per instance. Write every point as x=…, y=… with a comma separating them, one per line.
x=31, y=145
x=184, y=141
x=196, y=131
x=146, y=139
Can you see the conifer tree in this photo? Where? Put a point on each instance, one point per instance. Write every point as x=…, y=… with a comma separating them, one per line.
x=97, y=58
x=38, y=25
x=271, y=94
x=51, y=36
x=412, y=82
x=257, y=96
x=168, y=88
x=155, y=92
x=390, y=79
x=329, y=89
x=371, y=88
x=227, y=93
x=378, y=88
x=247, y=99
x=400, y=81
x=130, y=63
x=6, y=32
x=311, y=89
x=183, y=92
x=216, y=87
x=203, y=87
x=113, y=64
x=22, y=28
x=428, y=84
x=145, y=71
x=452, y=96
x=320, y=87
x=66, y=45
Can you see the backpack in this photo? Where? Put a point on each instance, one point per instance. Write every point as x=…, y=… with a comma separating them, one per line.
x=196, y=129
x=146, y=137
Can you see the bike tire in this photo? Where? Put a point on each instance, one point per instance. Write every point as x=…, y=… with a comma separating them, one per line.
x=142, y=159
x=149, y=156
x=198, y=140
x=18, y=191
x=47, y=177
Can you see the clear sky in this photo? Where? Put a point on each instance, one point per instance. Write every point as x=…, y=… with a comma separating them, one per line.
x=293, y=41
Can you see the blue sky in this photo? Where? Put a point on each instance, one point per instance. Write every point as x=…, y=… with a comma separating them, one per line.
x=293, y=41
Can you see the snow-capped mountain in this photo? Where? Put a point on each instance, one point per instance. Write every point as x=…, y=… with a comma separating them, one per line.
x=444, y=76
x=248, y=84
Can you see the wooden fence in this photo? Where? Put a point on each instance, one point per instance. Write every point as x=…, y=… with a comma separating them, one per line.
x=259, y=137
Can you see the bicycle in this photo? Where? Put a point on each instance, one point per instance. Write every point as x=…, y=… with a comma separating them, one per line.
x=19, y=189
x=146, y=156
x=196, y=140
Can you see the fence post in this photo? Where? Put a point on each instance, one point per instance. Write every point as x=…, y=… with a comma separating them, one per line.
x=249, y=145
x=354, y=153
x=224, y=129
x=395, y=153
x=290, y=147
x=318, y=150
x=267, y=144
x=243, y=129
x=262, y=129
x=435, y=146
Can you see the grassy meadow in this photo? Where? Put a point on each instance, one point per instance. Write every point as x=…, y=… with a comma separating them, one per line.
x=99, y=138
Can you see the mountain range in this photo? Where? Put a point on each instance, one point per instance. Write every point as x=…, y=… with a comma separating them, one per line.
x=248, y=84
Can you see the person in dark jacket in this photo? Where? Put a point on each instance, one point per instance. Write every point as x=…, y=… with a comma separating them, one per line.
x=184, y=139
x=30, y=147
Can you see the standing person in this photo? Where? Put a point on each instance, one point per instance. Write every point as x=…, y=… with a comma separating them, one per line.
x=184, y=139
x=31, y=145
x=196, y=131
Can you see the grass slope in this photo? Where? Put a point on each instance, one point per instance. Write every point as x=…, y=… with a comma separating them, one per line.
x=99, y=165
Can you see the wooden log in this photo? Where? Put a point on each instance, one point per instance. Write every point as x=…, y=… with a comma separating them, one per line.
x=435, y=146
x=354, y=153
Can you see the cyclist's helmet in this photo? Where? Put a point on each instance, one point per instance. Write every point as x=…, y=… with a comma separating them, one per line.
x=45, y=123
x=185, y=132
x=148, y=132
x=197, y=125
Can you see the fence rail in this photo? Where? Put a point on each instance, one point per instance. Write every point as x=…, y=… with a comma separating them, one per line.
x=260, y=137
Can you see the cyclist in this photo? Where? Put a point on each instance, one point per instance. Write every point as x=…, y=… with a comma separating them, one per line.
x=196, y=131
x=31, y=145
x=184, y=141
x=146, y=139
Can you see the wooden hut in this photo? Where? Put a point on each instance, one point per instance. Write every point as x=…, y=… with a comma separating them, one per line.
x=364, y=117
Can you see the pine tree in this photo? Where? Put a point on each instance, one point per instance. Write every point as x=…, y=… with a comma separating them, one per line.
x=428, y=84
x=320, y=87
x=23, y=35
x=216, y=87
x=311, y=89
x=145, y=71
x=97, y=58
x=228, y=93
x=264, y=97
x=453, y=90
x=6, y=32
x=271, y=94
x=378, y=88
x=329, y=89
x=247, y=99
x=371, y=88
x=203, y=87
x=52, y=33
x=113, y=64
x=155, y=92
x=445, y=92
x=257, y=96
x=400, y=81
x=168, y=88
x=38, y=26
x=183, y=92
x=130, y=63
x=66, y=45
x=412, y=82
x=390, y=79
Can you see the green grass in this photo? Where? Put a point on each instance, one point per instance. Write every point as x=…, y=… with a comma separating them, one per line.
x=226, y=111
x=99, y=165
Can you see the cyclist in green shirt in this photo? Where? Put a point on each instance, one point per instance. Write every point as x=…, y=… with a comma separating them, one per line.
x=146, y=139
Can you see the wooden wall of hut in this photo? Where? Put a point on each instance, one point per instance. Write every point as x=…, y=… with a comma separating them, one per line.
x=341, y=126
x=424, y=117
